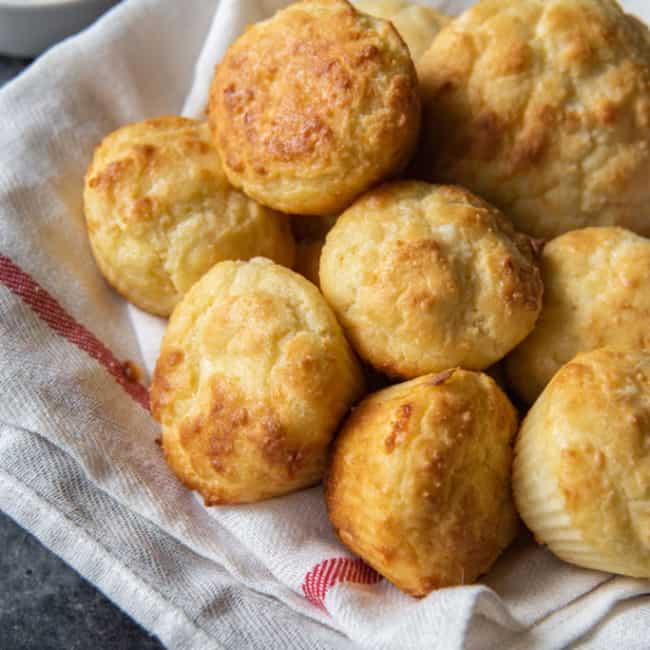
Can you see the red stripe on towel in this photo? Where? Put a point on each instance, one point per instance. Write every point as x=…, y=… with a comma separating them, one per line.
x=330, y=572
x=49, y=310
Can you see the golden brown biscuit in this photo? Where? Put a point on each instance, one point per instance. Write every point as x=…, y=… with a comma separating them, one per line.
x=417, y=25
x=160, y=212
x=313, y=106
x=427, y=277
x=253, y=377
x=596, y=293
x=419, y=480
x=543, y=108
x=582, y=463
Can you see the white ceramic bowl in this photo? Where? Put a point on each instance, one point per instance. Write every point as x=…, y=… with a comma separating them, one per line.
x=27, y=27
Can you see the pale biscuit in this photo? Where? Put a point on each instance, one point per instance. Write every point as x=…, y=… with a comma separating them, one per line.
x=313, y=106
x=425, y=277
x=160, y=212
x=418, y=25
x=581, y=475
x=253, y=377
x=419, y=480
x=543, y=108
x=596, y=293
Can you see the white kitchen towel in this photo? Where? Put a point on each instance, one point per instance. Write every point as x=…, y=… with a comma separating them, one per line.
x=79, y=466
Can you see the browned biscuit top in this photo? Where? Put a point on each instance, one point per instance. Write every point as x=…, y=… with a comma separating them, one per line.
x=543, y=108
x=314, y=105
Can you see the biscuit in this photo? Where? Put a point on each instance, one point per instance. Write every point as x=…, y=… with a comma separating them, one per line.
x=581, y=475
x=160, y=212
x=596, y=293
x=543, y=109
x=417, y=25
x=313, y=106
x=426, y=277
x=253, y=377
x=419, y=480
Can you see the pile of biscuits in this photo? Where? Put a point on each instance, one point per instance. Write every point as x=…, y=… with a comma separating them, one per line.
x=452, y=194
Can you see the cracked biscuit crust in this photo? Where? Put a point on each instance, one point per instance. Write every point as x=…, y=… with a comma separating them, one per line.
x=253, y=377
x=313, y=106
x=419, y=480
x=425, y=277
x=581, y=474
x=596, y=293
x=160, y=212
x=543, y=108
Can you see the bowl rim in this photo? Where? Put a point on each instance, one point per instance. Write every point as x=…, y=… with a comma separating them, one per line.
x=21, y=5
